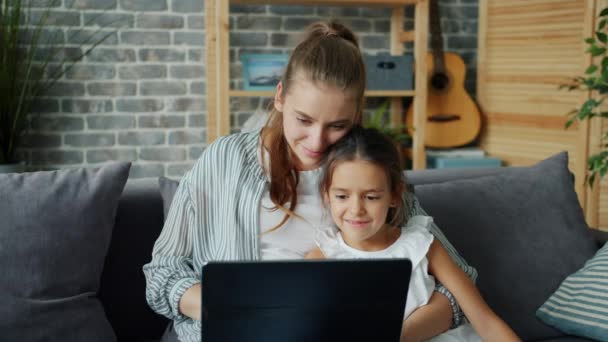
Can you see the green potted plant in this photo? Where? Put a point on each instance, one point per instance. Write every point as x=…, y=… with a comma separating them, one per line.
x=26, y=73
x=378, y=121
x=595, y=81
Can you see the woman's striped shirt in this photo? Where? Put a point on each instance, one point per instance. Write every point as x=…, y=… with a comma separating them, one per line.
x=214, y=216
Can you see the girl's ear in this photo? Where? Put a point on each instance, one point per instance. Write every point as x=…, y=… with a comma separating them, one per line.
x=278, y=98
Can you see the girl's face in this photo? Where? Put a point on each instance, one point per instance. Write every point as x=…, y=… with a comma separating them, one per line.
x=315, y=116
x=359, y=198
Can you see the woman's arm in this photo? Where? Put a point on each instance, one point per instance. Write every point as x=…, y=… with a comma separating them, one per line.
x=485, y=322
x=429, y=320
x=170, y=274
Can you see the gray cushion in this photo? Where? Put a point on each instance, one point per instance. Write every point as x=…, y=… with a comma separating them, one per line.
x=523, y=230
x=167, y=189
x=139, y=220
x=54, y=235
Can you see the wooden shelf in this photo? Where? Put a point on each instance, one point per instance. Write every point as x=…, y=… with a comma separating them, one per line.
x=217, y=25
x=368, y=93
x=360, y=3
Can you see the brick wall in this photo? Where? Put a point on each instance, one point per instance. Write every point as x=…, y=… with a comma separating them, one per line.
x=140, y=96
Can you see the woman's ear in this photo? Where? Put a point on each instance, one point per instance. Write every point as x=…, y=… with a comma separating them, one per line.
x=326, y=198
x=279, y=98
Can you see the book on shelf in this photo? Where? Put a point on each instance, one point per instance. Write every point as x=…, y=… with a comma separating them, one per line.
x=461, y=152
x=462, y=162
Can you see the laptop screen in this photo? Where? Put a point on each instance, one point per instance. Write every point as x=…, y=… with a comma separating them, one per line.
x=304, y=300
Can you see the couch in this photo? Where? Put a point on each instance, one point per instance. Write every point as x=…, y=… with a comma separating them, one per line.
x=455, y=198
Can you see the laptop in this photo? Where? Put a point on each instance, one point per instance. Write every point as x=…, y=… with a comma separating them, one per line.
x=304, y=300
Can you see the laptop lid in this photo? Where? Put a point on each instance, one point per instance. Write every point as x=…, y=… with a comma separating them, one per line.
x=304, y=300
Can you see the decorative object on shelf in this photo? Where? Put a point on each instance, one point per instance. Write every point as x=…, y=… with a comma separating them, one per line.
x=262, y=71
x=595, y=82
x=435, y=162
x=453, y=119
x=27, y=71
x=462, y=157
x=386, y=72
x=465, y=152
x=378, y=120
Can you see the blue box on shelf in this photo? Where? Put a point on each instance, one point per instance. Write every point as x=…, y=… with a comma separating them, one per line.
x=262, y=71
x=386, y=72
x=462, y=162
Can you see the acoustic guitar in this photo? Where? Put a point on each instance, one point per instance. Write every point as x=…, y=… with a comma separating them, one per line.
x=453, y=119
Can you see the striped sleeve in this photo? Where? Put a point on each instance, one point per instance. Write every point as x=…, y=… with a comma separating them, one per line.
x=170, y=273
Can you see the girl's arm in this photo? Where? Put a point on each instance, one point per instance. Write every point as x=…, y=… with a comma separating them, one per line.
x=485, y=322
x=429, y=320
x=414, y=209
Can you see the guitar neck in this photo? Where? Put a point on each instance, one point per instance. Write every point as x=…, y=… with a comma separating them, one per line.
x=436, y=37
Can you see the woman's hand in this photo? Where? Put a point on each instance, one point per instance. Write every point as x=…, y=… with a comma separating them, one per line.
x=190, y=303
x=315, y=254
x=429, y=320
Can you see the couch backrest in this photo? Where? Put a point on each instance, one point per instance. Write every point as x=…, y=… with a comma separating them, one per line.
x=431, y=176
x=139, y=220
x=522, y=228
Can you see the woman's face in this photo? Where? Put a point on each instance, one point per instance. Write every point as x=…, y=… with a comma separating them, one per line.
x=315, y=116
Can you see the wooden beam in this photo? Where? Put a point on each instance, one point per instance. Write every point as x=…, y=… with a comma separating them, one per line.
x=397, y=22
x=591, y=203
x=217, y=69
x=421, y=25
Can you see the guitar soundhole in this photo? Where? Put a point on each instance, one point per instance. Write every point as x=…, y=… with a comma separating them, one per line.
x=439, y=81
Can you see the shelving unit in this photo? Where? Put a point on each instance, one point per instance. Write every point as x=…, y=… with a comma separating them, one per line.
x=218, y=60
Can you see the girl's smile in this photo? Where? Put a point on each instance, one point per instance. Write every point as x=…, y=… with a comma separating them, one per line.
x=359, y=198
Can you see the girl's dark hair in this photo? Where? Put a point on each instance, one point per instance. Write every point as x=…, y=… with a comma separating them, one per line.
x=330, y=54
x=372, y=146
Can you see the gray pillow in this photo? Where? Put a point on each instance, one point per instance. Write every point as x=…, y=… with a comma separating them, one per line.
x=523, y=230
x=54, y=234
x=167, y=189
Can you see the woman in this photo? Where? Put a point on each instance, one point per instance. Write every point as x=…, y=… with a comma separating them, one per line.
x=253, y=196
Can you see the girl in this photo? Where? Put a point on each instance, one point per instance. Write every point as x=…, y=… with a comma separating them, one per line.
x=363, y=185
x=247, y=196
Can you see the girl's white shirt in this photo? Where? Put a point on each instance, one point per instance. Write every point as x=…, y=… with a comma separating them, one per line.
x=413, y=243
x=295, y=238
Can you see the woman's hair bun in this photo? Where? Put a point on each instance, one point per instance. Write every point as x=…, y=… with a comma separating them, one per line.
x=332, y=28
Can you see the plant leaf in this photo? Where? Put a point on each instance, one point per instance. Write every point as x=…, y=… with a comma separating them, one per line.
x=590, y=40
x=595, y=50
x=30, y=63
x=601, y=36
x=591, y=69
x=601, y=24
x=604, y=12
